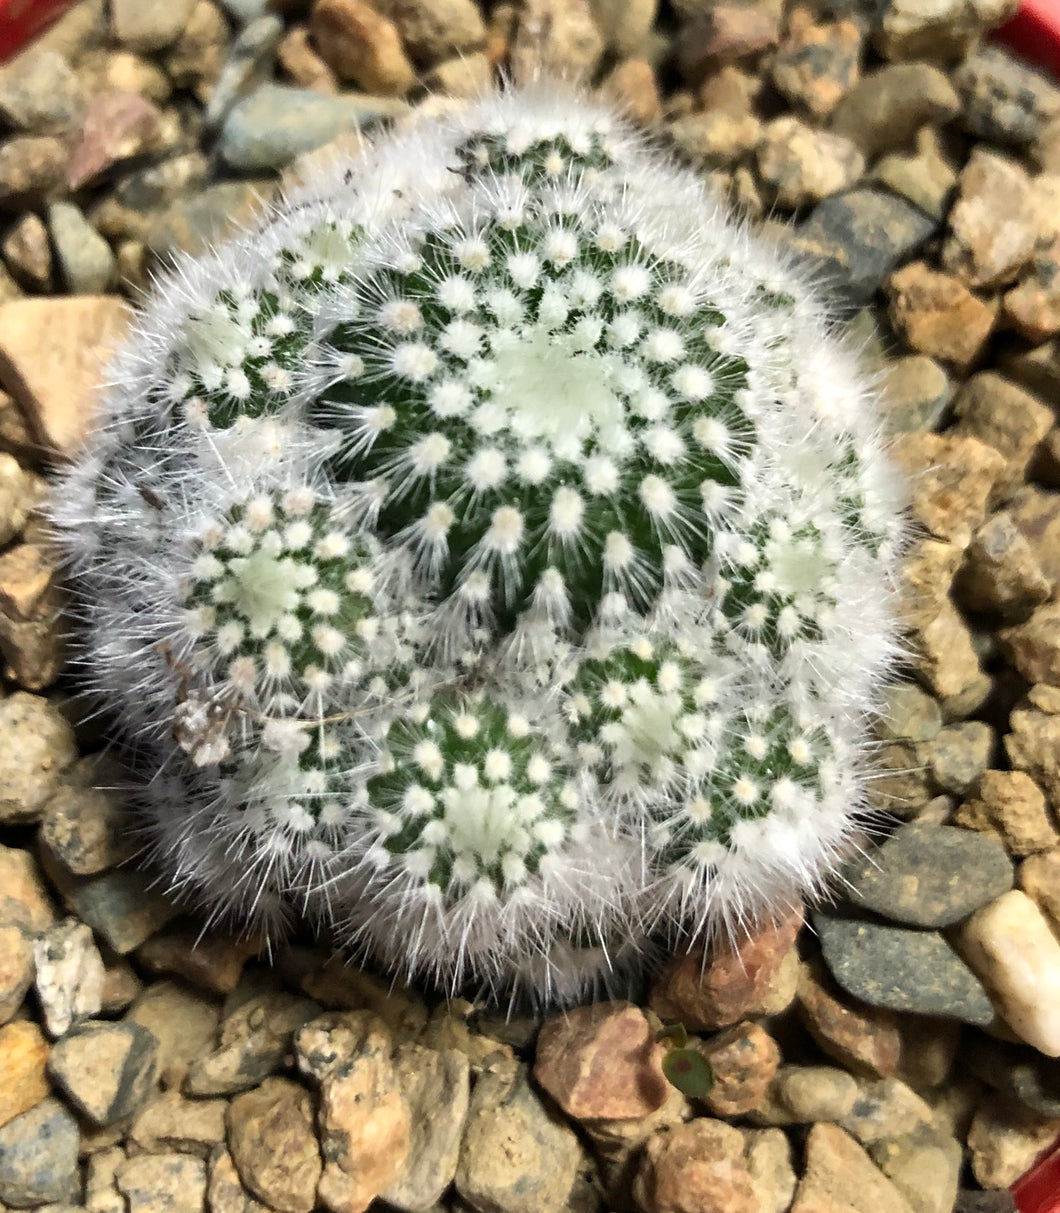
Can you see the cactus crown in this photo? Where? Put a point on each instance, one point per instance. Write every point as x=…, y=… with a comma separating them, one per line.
x=495, y=563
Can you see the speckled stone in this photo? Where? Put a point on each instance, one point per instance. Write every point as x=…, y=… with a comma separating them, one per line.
x=930, y=876
x=905, y=970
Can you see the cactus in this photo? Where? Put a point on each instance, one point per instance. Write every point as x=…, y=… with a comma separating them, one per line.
x=490, y=557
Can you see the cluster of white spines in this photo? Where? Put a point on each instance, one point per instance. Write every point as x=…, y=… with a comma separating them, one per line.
x=496, y=553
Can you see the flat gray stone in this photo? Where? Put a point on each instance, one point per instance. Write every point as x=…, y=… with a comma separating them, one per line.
x=930, y=875
x=860, y=236
x=902, y=969
x=275, y=123
x=86, y=260
x=38, y=1156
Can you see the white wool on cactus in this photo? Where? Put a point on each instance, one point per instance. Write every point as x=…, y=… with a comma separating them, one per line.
x=491, y=558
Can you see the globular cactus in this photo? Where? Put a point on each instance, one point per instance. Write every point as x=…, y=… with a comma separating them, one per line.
x=490, y=557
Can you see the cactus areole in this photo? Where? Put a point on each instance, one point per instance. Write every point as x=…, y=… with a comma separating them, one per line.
x=491, y=558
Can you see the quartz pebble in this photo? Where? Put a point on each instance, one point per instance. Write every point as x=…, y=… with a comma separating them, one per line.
x=1010, y=946
x=69, y=975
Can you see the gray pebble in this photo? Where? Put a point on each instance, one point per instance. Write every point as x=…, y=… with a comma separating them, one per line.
x=930, y=876
x=275, y=123
x=39, y=94
x=86, y=260
x=107, y=1070
x=904, y=970
x=242, y=11
x=960, y=754
x=1017, y=1069
x=860, y=237
x=1005, y=100
x=38, y=1156
x=250, y=60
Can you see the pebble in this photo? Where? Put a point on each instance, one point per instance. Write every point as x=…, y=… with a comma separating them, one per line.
x=601, y=1061
x=925, y=1167
x=557, y=38
x=436, y=1088
x=1017, y=1070
x=39, y=745
x=254, y=1040
x=338, y=985
x=925, y=177
x=1004, y=99
x=214, y=963
x=28, y=253
x=1010, y=806
x=904, y=970
x=1037, y=514
x=929, y=876
x=1032, y=307
x=516, y=1155
x=1001, y=574
x=977, y=1201
x=23, y=1061
x=817, y=65
x=812, y=1093
x=171, y=1122
x=952, y=480
x=446, y=28
x=32, y=169
x=363, y=1120
x=800, y=164
x=24, y=901
x=51, y=351
x=840, y=1175
x=1039, y=878
x=938, y=315
x=860, y=236
x=40, y=94
x=162, y=1183
x=910, y=29
x=16, y=969
x=979, y=249
x=724, y=33
x=768, y=1153
x=107, y=1070
x=137, y=195
x=298, y=57
x=242, y=11
x=224, y=1191
x=38, y=1156
x=361, y=46
x=81, y=827
x=886, y=108
x=16, y=496
x=118, y=126
x=183, y=1023
x=884, y=1108
x=85, y=259
x=699, y=1166
x=916, y=393
x=148, y=25
x=1005, y=1138
x=121, y=907
x=631, y=88
x=69, y=975
x=960, y=754
x=744, y=1061
x=105, y=69
x=714, y=138
x=864, y=1040
x=729, y=984
x=1010, y=946
x=271, y=1139
x=249, y=63
x=195, y=61
x=1033, y=745
x=276, y=123
x=198, y=221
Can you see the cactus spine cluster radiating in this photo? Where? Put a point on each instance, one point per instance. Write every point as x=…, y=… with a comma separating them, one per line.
x=490, y=557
